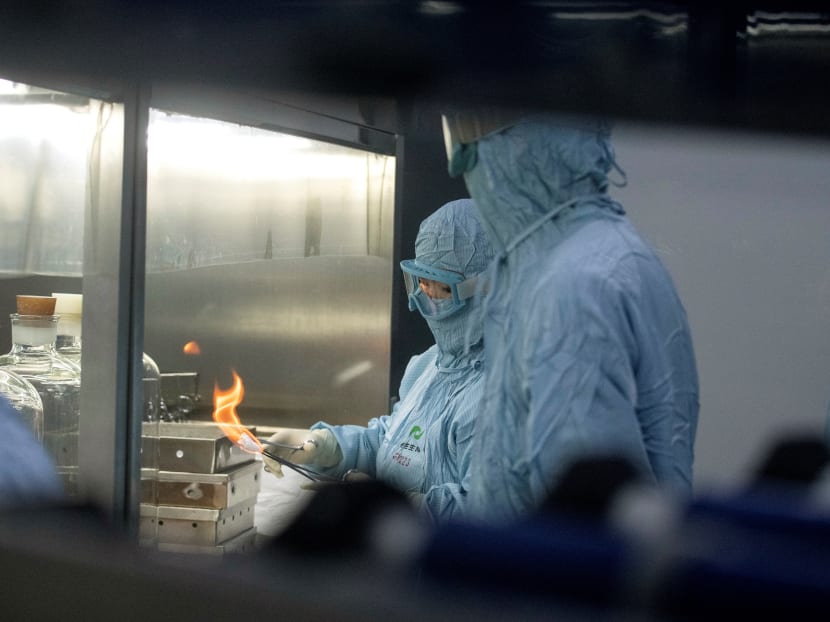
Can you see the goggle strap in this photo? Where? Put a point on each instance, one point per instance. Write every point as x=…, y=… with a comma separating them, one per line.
x=467, y=289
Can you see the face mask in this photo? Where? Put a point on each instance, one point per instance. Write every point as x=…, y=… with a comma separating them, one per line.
x=432, y=308
x=440, y=306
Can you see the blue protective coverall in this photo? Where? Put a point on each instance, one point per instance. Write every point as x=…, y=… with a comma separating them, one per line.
x=27, y=473
x=423, y=447
x=588, y=346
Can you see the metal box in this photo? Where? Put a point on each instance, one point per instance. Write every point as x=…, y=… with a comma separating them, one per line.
x=189, y=447
x=195, y=526
x=243, y=543
x=201, y=490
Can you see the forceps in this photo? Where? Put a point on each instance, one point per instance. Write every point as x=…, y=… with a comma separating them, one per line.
x=311, y=474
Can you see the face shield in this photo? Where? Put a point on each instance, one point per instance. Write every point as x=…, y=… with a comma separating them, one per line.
x=436, y=293
x=462, y=129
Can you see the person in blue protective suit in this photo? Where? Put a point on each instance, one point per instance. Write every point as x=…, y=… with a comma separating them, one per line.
x=27, y=474
x=588, y=347
x=423, y=446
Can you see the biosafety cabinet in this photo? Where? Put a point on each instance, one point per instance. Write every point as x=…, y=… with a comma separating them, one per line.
x=214, y=234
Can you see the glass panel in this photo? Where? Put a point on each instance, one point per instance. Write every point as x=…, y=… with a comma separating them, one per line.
x=269, y=259
x=45, y=139
x=49, y=156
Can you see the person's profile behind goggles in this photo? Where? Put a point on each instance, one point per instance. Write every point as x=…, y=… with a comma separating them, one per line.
x=434, y=292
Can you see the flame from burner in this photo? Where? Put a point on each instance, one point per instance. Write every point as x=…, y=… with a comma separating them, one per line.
x=224, y=414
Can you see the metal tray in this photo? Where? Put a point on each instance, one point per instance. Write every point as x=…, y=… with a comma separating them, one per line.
x=201, y=490
x=189, y=447
x=243, y=543
x=194, y=526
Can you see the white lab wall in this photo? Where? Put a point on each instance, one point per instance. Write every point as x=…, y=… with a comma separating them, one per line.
x=743, y=223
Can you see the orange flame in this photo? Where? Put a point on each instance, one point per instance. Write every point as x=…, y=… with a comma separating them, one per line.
x=224, y=414
x=192, y=348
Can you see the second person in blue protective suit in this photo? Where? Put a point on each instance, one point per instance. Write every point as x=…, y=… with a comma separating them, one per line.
x=27, y=473
x=588, y=347
x=423, y=446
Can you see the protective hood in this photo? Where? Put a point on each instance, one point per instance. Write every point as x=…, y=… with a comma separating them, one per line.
x=534, y=167
x=453, y=239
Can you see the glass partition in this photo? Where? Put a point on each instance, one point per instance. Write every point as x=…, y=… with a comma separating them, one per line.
x=50, y=159
x=45, y=143
x=268, y=268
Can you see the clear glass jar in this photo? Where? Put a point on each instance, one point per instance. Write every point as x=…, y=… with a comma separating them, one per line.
x=151, y=382
x=57, y=381
x=24, y=399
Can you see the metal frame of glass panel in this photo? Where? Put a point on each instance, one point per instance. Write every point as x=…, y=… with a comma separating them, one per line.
x=113, y=319
x=114, y=248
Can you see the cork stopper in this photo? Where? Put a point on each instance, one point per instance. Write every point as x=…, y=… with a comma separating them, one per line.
x=36, y=305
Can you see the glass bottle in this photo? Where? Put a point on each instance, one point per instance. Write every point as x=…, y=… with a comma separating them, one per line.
x=151, y=381
x=69, y=308
x=24, y=399
x=68, y=340
x=56, y=379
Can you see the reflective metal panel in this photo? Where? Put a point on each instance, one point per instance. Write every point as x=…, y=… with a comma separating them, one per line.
x=45, y=139
x=272, y=253
x=61, y=157
x=108, y=286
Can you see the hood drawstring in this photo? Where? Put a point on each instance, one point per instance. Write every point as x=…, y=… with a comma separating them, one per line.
x=490, y=281
x=612, y=158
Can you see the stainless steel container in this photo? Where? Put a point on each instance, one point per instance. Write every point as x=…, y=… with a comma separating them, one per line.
x=201, y=496
x=243, y=543
x=201, y=490
x=190, y=448
x=195, y=526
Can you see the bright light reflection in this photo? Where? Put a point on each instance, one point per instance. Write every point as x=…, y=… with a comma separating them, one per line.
x=62, y=127
x=228, y=150
x=7, y=87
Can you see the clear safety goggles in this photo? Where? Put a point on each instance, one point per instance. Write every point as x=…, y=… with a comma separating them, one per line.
x=416, y=275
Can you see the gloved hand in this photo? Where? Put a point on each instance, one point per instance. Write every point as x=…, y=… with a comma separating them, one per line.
x=318, y=447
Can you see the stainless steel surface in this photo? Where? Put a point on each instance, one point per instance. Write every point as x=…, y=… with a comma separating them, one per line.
x=110, y=370
x=245, y=542
x=45, y=138
x=309, y=336
x=201, y=490
x=195, y=526
x=220, y=193
x=273, y=253
x=190, y=448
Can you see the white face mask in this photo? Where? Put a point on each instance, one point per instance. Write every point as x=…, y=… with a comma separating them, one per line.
x=439, y=305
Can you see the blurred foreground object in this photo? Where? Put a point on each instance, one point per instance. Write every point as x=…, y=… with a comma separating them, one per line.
x=642, y=550
x=27, y=474
x=795, y=459
x=367, y=519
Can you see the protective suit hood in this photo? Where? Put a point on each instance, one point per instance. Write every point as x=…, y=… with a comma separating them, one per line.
x=534, y=167
x=453, y=239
